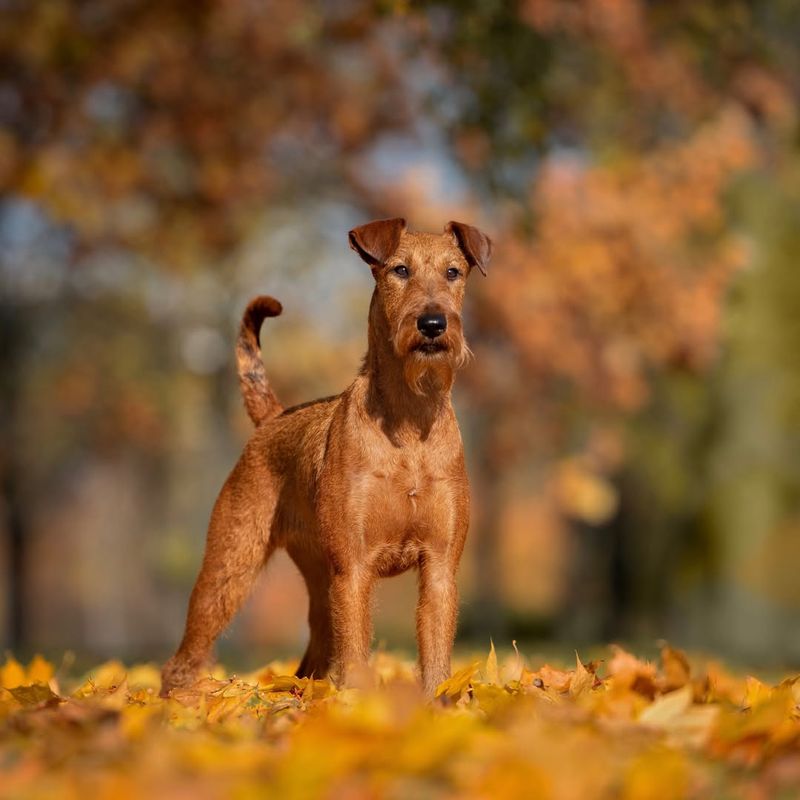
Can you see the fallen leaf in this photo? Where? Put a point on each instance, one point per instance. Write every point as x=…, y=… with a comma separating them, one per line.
x=34, y=695
x=40, y=670
x=665, y=709
x=492, y=673
x=582, y=680
x=12, y=674
x=459, y=682
x=676, y=668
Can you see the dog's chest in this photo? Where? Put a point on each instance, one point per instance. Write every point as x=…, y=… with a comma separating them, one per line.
x=409, y=486
x=405, y=499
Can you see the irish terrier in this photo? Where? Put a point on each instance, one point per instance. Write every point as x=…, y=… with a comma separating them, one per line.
x=362, y=485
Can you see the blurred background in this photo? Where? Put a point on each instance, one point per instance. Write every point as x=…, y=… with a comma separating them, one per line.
x=632, y=415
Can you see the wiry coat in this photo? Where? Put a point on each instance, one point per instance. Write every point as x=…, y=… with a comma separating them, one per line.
x=362, y=485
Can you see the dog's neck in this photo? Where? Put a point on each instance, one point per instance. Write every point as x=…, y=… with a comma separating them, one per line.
x=403, y=413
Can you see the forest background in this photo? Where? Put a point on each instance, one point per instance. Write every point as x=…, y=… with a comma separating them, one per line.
x=632, y=414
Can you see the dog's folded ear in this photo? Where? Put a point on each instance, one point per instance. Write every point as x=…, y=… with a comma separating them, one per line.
x=376, y=241
x=476, y=246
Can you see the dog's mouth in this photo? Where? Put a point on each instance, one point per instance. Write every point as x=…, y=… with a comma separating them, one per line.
x=430, y=348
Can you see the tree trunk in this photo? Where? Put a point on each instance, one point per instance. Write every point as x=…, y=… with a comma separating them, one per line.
x=14, y=524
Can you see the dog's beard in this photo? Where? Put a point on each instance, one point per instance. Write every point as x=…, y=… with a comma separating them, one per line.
x=429, y=366
x=428, y=374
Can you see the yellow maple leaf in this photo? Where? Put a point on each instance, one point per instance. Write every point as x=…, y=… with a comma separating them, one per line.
x=12, y=674
x=665, y=709
x=686, y=724
x=455, y=685
x=222, y=708
x=107, y=676
x=492, y=673
x=40, y=670
x=757, y=692
x=144, y=676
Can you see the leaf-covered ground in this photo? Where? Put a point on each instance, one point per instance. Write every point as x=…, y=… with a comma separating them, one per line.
x=621, y=727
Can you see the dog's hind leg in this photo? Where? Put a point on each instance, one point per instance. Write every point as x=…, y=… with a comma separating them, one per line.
x=318, y=656
x=237, y=547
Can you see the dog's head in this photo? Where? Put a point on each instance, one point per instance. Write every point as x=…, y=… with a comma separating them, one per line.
x=420, y=280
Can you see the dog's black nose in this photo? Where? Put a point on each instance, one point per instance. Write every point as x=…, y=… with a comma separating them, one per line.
x=432, y=325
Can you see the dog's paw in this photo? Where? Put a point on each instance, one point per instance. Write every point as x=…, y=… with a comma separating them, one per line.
x=176, y=674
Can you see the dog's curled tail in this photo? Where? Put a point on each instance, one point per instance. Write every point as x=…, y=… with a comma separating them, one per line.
x=259, y=399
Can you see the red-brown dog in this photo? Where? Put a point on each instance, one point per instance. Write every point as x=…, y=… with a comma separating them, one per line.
x=362, y=485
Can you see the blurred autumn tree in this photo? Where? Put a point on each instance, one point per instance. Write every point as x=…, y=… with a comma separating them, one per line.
x=615, y=132
x=603, y=143
x=143, y=142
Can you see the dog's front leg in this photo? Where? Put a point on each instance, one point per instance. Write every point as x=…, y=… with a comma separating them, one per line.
x=437, y=611
x=351, y=611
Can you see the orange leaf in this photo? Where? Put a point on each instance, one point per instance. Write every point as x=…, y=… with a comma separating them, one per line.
x=676, y=668
x=582, y=679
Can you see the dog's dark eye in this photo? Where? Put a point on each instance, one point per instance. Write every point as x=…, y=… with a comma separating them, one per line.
x=453, y=273
x=401, y=270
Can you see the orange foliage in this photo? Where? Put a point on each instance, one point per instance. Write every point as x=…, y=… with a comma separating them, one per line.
x=627, y=729
x=165, y=127
x=629, y=267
